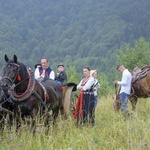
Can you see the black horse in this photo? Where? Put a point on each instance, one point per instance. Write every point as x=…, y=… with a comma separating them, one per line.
x=6, y=108
x=29, y=95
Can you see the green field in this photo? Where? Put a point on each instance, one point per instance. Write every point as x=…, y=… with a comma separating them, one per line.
x=112, y=131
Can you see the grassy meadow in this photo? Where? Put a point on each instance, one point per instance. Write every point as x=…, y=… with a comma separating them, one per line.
x=112, y=131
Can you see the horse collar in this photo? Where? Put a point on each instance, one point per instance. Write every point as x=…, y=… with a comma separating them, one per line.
x=27, y=93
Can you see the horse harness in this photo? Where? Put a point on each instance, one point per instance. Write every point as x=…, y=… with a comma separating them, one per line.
x=30, y=89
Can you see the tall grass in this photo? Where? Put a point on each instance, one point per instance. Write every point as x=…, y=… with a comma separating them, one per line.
x=112, y=131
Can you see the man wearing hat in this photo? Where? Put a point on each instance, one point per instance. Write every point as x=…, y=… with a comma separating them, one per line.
x=37, y=65
x=61, y=75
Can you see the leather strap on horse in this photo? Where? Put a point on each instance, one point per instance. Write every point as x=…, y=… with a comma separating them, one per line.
x=141, y=75
x=45, y=94
x=6, y=110
x=39, y=98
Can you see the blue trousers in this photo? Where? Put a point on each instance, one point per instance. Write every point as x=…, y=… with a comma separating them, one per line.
x=95, y=100
x=124, y=102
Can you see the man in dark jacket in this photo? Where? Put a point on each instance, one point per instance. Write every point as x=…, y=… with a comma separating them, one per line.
x=61, y=76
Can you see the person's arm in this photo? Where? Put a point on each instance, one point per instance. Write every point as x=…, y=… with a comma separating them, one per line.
x=124, y=80
x=79, y=87
x=97, y=84
x=52, y=75
x=63, y=75
x=89, y=84
x=36, y=73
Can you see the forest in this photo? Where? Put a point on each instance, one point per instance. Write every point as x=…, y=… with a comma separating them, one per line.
x=77, y=33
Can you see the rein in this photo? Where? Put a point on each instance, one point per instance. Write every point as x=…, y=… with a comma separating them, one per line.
x=4, y=109
x=9, y=79
x=15, y=85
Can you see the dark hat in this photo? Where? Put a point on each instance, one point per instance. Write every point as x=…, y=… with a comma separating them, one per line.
x=37, y=65
x=60, y=65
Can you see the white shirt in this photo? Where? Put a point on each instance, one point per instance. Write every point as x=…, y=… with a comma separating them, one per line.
x=87, y=85
x=37, y=74
x=125, y=82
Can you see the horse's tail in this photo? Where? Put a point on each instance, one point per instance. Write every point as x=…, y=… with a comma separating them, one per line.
x=67, y=96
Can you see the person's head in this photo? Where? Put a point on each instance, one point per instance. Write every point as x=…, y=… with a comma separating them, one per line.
x=120, y=68
x=37, y=66
x=44, y=63
x=93, y=73
x=60, y=67
x=86, y=71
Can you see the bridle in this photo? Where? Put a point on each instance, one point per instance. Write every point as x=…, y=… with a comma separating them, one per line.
x=8, y=78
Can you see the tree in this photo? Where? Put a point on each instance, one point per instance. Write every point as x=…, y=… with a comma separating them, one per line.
x=72, y=75
x=138, y=55
x=105, y=88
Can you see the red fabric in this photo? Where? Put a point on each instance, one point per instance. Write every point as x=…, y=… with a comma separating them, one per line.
x=62, y=88
x=78, y=110
x=47, y=96
x=85, y=80
x=18, y=78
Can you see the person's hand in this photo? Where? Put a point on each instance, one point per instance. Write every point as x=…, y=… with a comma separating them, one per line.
x=80, y=88
x=58, y=74
x=115, y=82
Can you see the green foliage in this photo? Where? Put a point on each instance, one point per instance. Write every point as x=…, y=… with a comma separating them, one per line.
x=105, y=87
x=72, y=75
x=137, y=55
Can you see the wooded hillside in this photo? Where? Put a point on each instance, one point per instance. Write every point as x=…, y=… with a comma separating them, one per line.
x=75, y=32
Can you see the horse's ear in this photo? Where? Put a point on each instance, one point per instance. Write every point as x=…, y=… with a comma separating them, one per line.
x=15, y=58
x=6, y=58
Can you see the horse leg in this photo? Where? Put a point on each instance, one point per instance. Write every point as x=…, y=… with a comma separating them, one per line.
x=33, y=123
x=2, y=122
x=9, y=121
x=18, y=121
x=55, y=113
x=133, y=101
x=49, y=118
x=47, y=123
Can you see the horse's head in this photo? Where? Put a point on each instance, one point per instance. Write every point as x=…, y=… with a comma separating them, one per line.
x=116, y=99
x=11, y=74
x=116, y=103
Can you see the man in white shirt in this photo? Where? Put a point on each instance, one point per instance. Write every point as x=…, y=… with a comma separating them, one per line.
x=44, y=70
x=125, y=84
